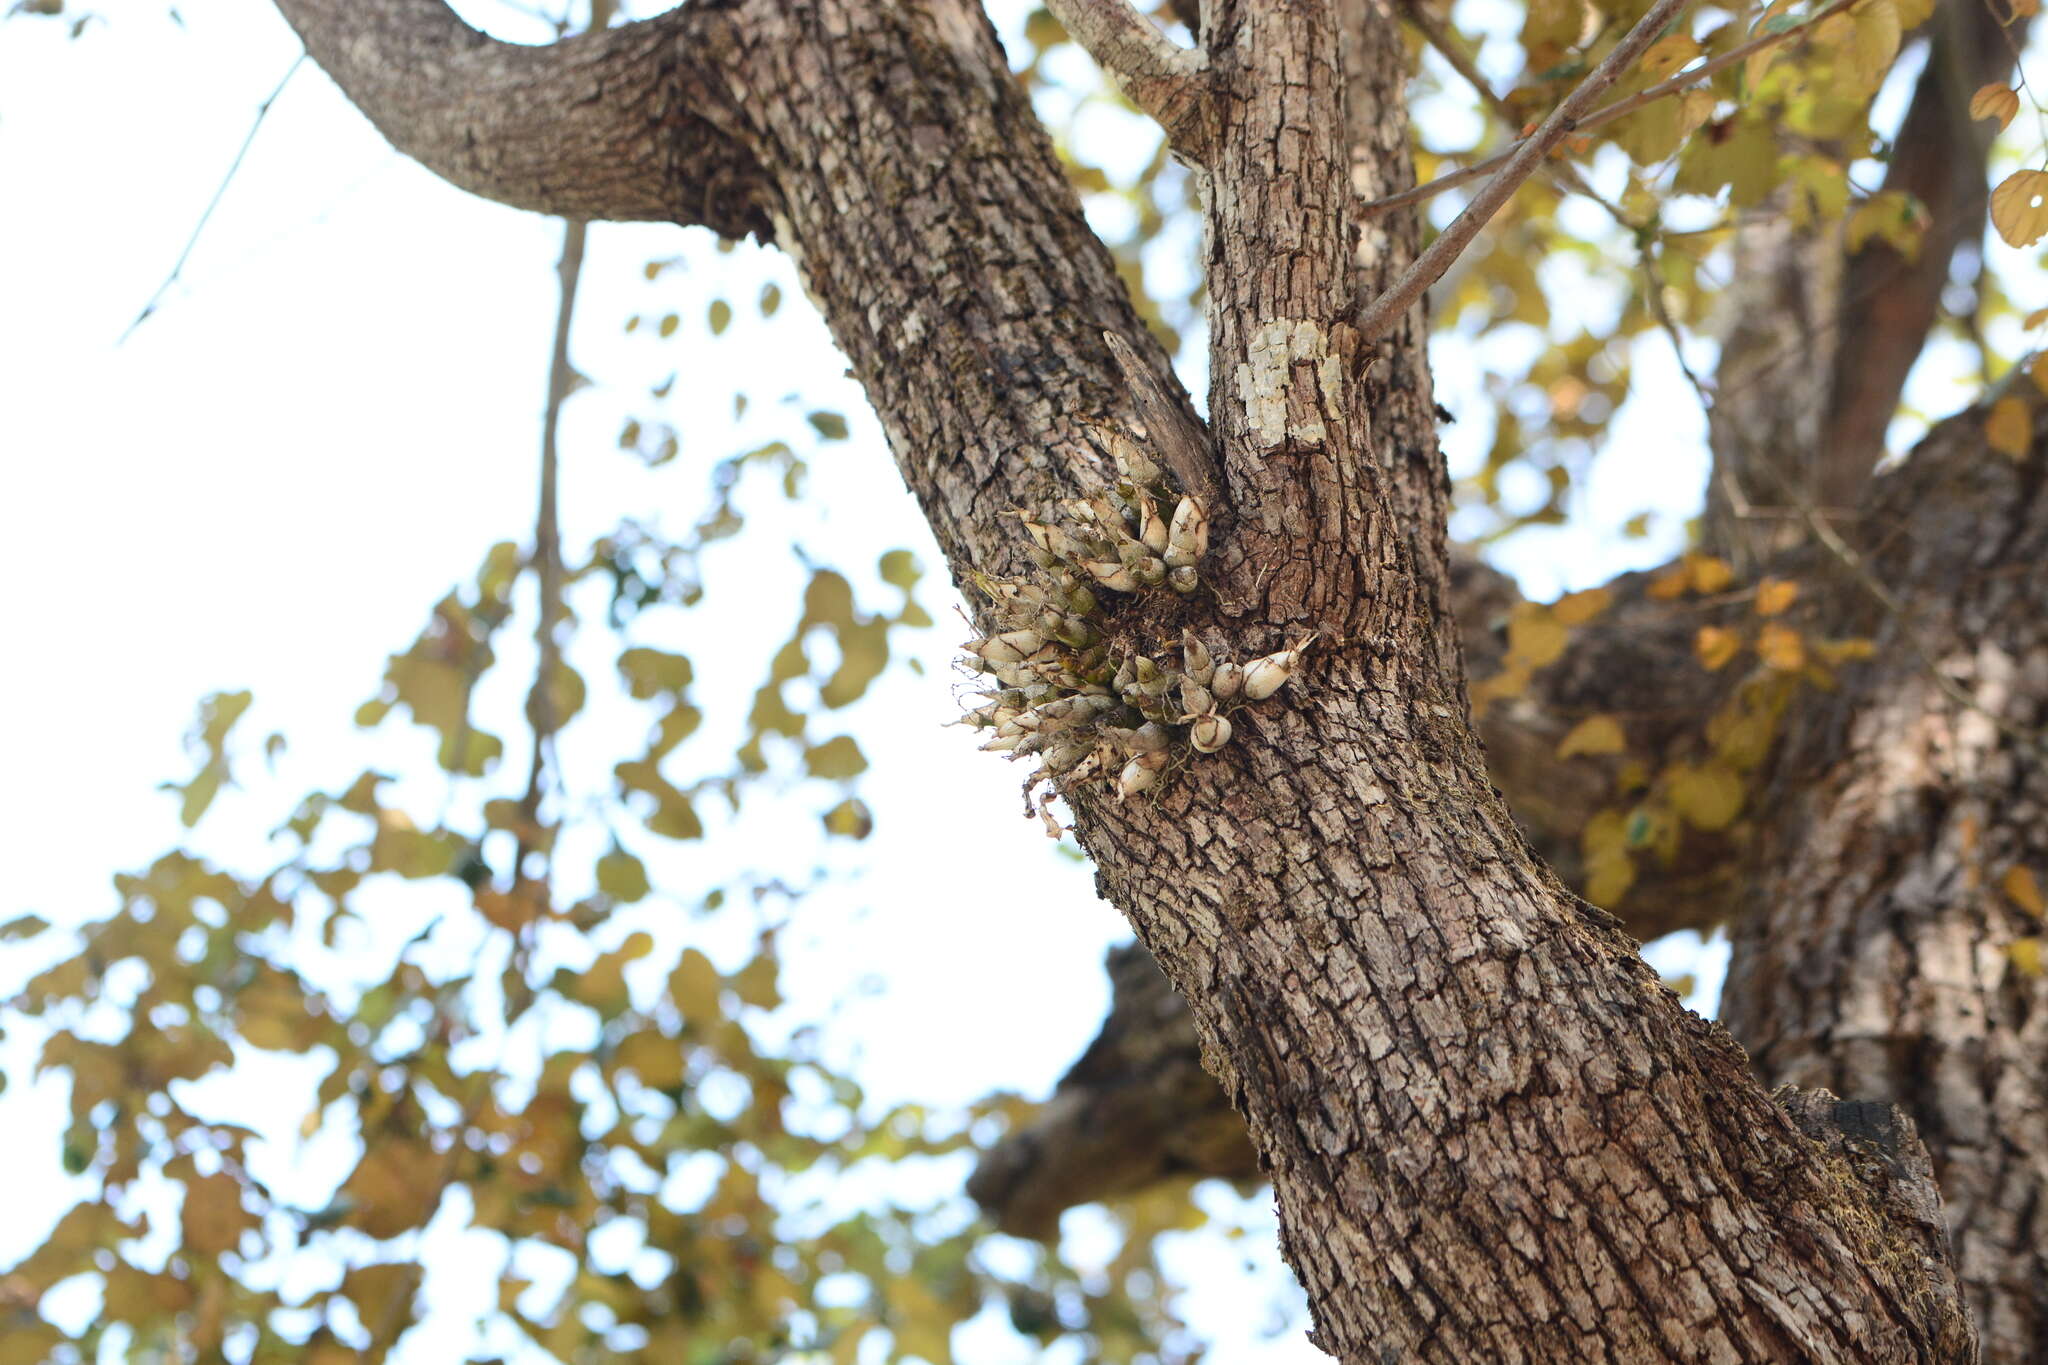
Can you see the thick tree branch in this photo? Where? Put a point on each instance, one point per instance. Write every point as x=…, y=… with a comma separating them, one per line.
x=1888, y=948
x=1166, y=80
x=618, y=124
x=1890, y=301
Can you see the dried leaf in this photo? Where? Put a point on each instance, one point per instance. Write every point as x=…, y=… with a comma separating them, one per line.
x=2024, y=890
x=1773, y=595
x=1593, y=735
x=1708, y=797
x=2019, y=207
x=1995, y=101
x=1535, y=636
x=1781, y=648
x=2009, y=426
x=1575, y=609
x=1715, y=646
x=1710, y=573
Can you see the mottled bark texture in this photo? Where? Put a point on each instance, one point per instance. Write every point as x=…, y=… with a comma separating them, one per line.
x=1493, y=1134
x=1873, y=953
x=1873, y=940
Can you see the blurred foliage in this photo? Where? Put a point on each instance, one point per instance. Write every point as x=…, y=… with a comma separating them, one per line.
x=656, y=1160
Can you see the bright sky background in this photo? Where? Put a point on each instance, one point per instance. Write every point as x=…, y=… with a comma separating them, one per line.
x=327, y=423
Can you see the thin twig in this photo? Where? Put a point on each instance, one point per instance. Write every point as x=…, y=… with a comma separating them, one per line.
x=547, y=542
x=1379, y=316
x=178, y=269
x=1627, y=105
x=1441, y=37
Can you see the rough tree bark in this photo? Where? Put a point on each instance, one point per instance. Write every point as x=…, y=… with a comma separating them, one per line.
x=1875, y=962
x=1493, y=1134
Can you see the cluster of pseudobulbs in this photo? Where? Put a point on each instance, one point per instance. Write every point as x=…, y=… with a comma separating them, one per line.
x=1063, y=692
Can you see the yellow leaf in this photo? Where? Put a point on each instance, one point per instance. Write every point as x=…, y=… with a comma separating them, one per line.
x=1995, y=101
x=2024, y=891
x=1877, y=40
x=1593, y=735
x=656, y=1060
x=1577, y=608
x=1609, y=879
x=1672, y=583
x=694, y=986
x=1708, y=797
x=1715, y=646
x=1535, y=637
x=2025, y=9
x=1773, y=595
x=1844, y=651
x=1666, y=55
x=849, y=819
x=2009, y=426
x=1753, y=68
x=1891, y=216
x=2026, y=955
x=2019, y=207
x=1781, y=648
x=2037, y=370
x=1710, y=574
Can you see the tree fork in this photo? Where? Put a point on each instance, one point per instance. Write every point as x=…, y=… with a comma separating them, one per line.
x=1493, y=1133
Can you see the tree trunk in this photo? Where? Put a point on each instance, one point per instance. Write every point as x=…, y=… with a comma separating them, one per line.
x=1883, y=949
x=1492, y=1132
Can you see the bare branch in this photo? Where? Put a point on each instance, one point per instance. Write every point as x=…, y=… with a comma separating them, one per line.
x=219, y=192
x=1620, y=108
x=617, y=124
x=1380, y=314
x=1445, y=42
x=1166, y=80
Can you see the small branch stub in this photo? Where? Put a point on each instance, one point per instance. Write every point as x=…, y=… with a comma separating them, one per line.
x=1167, y=81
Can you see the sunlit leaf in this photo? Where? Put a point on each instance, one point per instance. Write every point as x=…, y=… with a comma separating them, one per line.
x=1593, y=735
x=2019, y=207
x=1995, y=101
x=2009, y=426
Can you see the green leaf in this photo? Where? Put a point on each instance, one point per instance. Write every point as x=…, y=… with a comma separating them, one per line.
x=22, y=926
x=850, y=819
x=622, y=876
x=900, y=569
x=838, y=759
x=650, y=673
